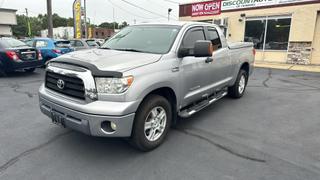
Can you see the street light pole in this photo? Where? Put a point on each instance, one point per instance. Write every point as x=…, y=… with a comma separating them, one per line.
x=49, y=14
x=169, y=11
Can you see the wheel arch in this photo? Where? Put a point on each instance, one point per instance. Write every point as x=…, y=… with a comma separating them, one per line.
x=166, y=92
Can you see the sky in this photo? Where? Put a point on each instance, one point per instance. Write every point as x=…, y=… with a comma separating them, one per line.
x=99, y=11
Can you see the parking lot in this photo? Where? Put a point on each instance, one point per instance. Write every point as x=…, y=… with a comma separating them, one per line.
x=271, y=133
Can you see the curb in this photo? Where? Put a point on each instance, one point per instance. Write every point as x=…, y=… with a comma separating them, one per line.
x=294, y=67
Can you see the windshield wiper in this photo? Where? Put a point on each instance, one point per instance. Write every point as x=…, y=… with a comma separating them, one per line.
x=129, y=49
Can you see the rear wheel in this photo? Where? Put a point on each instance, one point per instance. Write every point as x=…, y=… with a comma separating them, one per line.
x=152, y=123
x=30, y=70
x=239, y=87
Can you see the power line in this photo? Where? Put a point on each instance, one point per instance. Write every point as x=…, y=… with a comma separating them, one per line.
x=136, y=6
x=113, y=4
x=174, y=2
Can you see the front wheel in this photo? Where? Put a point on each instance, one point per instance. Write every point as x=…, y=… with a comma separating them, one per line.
x=152, y=123
x=239, y=87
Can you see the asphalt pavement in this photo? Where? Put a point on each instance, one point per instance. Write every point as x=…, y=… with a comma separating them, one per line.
x=272, y=133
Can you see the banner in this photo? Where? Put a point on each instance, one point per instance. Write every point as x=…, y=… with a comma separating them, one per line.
x=206, y=8
x=77, y=19
x=239, y=4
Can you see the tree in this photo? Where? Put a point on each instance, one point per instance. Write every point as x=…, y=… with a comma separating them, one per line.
x=40, y=22
x=123, y=24
x=21, y=29
x=109, y=25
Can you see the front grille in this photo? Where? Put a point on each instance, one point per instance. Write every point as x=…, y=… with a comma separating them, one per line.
x=73, y=86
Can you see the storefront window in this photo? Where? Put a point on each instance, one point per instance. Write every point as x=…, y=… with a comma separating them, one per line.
x=277, y=34
x=255, y=30
x=268, y=33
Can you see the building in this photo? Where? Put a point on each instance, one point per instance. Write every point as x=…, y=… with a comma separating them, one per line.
x=102, y=33
x=60, y=33
x=7, y=19
x=285, y=31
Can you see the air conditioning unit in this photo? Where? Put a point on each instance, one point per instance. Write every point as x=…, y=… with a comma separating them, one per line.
x=223, y=22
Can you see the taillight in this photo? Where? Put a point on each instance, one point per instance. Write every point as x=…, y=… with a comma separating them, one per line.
x=12, y=55
x=56, y=51
x=39, y=55
x=254, y=51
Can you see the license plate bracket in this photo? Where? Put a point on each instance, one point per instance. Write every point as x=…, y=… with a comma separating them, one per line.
x=58, y=119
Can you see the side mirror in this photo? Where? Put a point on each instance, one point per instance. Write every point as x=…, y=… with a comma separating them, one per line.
x=203, y=48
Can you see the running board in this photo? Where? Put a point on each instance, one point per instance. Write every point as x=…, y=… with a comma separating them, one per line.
x=202, y=104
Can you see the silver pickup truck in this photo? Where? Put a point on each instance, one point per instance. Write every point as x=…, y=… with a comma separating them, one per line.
x=143, y=79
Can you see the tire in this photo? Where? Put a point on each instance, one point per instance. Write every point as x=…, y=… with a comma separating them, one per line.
x=145, y=125
x=239, y=87
x=30, y=70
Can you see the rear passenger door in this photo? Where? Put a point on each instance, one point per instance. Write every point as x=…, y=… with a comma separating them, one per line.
x=220, y=68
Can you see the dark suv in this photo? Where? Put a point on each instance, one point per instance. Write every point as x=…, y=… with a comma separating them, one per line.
x=17, y=55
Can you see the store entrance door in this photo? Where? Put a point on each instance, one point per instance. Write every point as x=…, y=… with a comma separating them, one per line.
x=315, y=58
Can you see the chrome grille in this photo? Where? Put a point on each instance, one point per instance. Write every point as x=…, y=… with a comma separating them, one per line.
x=73, y=86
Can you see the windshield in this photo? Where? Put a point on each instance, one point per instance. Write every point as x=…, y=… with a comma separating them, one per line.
x=149, y=39
x=11, y=43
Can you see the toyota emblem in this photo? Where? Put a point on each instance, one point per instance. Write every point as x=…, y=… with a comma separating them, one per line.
x=60, y=84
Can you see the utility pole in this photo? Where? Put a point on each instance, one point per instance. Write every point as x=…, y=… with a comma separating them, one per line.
x=28, y=23
x=114, y=23
x=85, y=20
x=49, y=14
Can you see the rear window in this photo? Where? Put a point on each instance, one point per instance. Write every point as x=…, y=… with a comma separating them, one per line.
x=11, y=43
x=63, y=44
x=92, y=43
x=41, y=43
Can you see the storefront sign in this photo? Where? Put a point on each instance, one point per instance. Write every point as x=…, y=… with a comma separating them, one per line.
x=238, y=4
x=206, y=8
x=77, y=18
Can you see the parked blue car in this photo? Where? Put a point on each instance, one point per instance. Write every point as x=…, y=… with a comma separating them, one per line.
x=50, y=48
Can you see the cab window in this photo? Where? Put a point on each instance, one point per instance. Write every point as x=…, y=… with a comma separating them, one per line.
x=191, y=37
x=214, y=37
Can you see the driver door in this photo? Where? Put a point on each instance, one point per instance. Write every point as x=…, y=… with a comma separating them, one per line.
x=193, y=70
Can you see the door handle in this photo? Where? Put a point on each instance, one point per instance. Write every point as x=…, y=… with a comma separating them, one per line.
x=209, y=60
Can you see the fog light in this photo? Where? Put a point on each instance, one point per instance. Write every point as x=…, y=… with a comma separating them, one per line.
x=113, y=126
x=108, y=127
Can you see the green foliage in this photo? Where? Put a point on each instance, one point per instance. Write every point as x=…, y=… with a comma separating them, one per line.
x=112, y=25
x=41, y=21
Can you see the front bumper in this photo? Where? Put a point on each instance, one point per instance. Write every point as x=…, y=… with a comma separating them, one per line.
x=87, y=118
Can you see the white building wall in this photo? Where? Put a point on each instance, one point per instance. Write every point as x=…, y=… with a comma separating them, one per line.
x=5, y=30
x=8, y=17
x=60, y=33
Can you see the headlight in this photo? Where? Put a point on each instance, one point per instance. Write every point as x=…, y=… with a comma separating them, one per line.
x=113, y=85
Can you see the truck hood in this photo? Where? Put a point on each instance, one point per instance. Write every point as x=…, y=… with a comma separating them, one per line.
x=112, y=60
